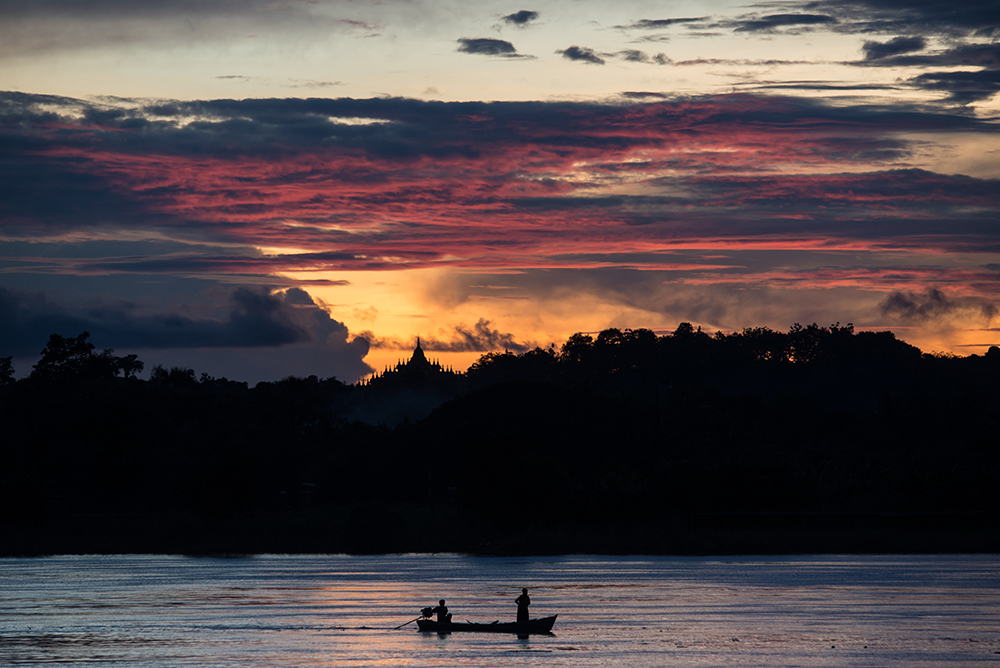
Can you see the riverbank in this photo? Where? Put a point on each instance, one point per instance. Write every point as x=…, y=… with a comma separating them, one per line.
x=377, y=529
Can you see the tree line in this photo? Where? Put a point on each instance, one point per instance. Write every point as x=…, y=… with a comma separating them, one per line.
x=622, y=429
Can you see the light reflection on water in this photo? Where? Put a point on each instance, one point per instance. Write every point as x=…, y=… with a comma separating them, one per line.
x=879, y=611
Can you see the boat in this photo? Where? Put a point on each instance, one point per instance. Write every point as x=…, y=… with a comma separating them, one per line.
x=542, y=625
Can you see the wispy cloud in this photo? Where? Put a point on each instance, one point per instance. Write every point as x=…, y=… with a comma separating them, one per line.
x=933, y=306
x=962, y=87
x=920, y=17
x=482, y=337
x=660, y=24
x=772, y=22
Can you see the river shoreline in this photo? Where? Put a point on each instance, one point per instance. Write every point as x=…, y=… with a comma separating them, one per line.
x=379, y=529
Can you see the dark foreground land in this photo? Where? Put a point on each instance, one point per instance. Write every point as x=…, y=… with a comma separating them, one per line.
x=817, y=440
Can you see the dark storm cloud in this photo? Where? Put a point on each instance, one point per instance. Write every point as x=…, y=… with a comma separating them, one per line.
x=932, y=306
x=521, y=18
x=582, y=54
x=486, y=46
x=256, y=319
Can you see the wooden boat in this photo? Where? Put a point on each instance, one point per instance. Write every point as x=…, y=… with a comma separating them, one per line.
x=532, y=626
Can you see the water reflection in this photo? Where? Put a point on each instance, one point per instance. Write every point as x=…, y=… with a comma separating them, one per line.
x=337, y=610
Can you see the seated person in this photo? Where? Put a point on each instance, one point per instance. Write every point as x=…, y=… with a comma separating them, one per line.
x=443, y=616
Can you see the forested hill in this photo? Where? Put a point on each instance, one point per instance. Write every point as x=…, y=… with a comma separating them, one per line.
x=819, y=438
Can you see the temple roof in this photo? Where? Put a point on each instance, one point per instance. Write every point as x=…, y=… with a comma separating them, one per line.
x=418, y=355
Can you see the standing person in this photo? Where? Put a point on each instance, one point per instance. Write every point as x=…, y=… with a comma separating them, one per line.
x=522, y=606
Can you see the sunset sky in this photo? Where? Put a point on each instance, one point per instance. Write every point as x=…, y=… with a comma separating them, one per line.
x=263, y=188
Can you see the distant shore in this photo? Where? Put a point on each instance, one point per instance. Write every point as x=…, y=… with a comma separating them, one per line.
x=380, y=529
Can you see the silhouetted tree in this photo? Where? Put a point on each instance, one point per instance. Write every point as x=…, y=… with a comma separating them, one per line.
x=130, y=365
x=178, y=377
x=757, y=344
x=6, y=370
x=492, y=368
x=577, y=349
x=805, y=342
x=63, y=357
x=73, y=358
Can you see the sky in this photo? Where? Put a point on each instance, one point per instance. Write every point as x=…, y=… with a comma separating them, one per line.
x=266, y=188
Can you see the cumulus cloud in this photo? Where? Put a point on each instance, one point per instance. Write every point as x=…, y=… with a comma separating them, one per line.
x=582, y=54
x=486, y=46
x=256, y=318
x=288, y=324
x=521, y=18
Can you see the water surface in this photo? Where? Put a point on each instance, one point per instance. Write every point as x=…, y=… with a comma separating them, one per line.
x=879, y=611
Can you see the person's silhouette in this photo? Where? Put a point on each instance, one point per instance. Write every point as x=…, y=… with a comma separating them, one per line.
x=444, y=617
x=522, y=606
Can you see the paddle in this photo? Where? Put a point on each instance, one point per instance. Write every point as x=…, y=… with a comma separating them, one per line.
x=409, y=622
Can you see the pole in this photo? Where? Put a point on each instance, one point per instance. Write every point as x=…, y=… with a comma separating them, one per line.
x=409, y=622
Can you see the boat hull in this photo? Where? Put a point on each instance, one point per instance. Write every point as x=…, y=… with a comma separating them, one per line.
x=530, y=627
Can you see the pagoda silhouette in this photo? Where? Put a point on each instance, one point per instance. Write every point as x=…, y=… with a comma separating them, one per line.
x=418, y=371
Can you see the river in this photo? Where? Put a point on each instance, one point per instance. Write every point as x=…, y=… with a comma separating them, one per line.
x=319, y=610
